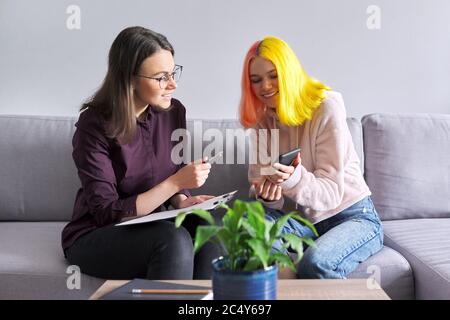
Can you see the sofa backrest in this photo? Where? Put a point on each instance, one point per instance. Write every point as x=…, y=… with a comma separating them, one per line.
x=39, y=180
x=230, y=171
x=38, y=176
x=407, y=164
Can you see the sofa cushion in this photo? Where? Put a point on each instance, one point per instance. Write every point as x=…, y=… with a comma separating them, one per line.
x=391, y=270
x=355, y=128
x=33, y=266
x=407, y=164
x=39, y=179
x=425, y=244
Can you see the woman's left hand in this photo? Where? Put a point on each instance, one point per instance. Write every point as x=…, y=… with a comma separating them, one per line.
x=267, y=190
x=190, y=201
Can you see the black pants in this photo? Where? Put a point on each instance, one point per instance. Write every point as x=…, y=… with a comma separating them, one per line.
x=155, y=250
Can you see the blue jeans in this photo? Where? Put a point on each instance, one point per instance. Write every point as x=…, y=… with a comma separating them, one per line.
x=345, y=240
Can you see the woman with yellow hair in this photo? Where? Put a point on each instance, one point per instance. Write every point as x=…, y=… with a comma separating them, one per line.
x=325, y=178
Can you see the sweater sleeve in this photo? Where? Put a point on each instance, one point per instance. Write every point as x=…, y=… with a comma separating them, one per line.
x=322, y=189
x=98, y=180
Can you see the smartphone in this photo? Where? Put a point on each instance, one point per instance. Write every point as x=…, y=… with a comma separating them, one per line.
x=288, y=157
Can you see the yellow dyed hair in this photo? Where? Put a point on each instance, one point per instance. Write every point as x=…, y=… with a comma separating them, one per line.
x=299, y=94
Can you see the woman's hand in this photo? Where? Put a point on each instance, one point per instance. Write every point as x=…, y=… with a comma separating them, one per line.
x=282, y=172
x=190, y=201
x=192, y=175
x=267, y=190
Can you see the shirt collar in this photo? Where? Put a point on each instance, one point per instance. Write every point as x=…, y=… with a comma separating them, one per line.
x=145, y=116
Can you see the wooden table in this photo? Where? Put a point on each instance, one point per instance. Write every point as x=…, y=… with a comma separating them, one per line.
x=329, y=289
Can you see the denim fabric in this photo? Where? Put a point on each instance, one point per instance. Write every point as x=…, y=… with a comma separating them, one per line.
x=345, y=240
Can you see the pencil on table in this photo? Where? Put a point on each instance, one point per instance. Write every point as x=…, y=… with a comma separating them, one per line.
x=171, y=291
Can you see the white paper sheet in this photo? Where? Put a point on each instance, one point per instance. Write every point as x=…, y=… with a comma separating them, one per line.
x=206, y=205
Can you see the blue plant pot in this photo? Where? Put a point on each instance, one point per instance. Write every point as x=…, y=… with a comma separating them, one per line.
x=243, y=285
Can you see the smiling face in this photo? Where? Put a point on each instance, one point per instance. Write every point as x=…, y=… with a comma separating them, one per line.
x=148, y=91
x=264, y=80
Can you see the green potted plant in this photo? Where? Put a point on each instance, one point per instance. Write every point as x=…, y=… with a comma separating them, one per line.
x=249, y=267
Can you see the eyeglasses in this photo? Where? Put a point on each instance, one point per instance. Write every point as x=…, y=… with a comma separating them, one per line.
x=164, y=80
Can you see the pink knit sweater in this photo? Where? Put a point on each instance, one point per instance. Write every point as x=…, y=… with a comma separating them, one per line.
x=329, y=178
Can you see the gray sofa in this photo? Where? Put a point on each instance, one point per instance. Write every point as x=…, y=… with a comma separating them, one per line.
x=406, y=163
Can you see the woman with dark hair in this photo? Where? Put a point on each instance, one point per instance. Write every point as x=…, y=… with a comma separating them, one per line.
x=122, y=150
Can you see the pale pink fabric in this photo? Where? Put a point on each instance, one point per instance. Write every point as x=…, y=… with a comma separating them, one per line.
x=329, y=178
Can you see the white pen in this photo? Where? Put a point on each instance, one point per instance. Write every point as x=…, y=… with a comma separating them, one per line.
x=171, y=291
x=218, y=155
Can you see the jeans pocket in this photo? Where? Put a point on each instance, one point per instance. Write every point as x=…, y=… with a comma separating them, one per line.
x=372, y=212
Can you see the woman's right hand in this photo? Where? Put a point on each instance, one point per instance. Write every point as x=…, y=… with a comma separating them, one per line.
x=192, y=175
x=190, y=201
x=282, y=172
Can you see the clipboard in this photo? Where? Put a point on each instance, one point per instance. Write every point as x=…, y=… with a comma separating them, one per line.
x=205, y=205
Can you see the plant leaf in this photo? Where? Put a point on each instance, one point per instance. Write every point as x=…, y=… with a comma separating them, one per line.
x=228, y=219
x=180, y=218
x=299, y=257
x=252, y=264
x=260, y=250
x=227, y=240
x=233, y=217
x=294, y=241
x=282, y=260
x=256, y=207
x=247, y=237
x=310, y=242
x=267, y=229
x=240, y=208
x=257, y=222
x=205, y=215
x=304, y=222
x=224, y=206
x=204, y=234
x=249, y=229
x=276, y=229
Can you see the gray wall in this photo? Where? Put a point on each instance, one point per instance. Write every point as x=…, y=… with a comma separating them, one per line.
x=47, y=69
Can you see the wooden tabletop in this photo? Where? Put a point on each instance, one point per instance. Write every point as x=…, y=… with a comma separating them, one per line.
x=292, y=289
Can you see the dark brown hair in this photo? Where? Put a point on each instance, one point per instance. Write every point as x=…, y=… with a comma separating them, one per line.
x=113, y=101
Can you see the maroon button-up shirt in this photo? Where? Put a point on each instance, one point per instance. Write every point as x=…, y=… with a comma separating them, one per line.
x=113, y=175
